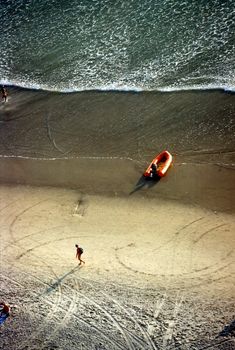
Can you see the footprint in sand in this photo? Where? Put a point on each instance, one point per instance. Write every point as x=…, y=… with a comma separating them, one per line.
x=80, y=207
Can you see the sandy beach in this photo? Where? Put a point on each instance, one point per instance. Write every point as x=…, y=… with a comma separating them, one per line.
x=159, y=256
x=158, y=274
x=91, y=92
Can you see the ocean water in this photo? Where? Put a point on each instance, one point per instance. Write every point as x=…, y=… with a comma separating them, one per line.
x=140, y=45
x=148, y=50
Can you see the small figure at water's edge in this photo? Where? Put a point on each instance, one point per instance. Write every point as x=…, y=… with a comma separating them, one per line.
x=79, y=253
x=4, y=94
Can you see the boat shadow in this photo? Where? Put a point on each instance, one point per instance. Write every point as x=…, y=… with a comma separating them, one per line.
x=145, y=182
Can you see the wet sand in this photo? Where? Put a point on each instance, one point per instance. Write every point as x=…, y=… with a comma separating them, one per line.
x=194, y=126
x=207, y=186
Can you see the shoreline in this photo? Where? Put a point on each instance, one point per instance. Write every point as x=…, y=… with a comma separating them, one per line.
x=209, y=186
x=222, y=89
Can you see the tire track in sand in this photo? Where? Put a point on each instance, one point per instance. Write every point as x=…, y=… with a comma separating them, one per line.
x=167, y=337
x=148, y=340
x=108, y=314
x=51, y=313
x=61, y=322
x=123, y=331
x=69, y=313
x=22, y=212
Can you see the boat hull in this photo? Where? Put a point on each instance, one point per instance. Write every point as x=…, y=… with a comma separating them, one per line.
x=162, y=161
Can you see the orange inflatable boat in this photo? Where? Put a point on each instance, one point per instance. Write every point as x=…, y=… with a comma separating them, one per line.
x=159, y=166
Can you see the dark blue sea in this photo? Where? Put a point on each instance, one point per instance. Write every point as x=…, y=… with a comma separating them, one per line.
x=140, y=45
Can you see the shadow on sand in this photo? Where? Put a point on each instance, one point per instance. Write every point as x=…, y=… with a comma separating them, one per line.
x=228, y=330
x=60, y=279
x=145, y=182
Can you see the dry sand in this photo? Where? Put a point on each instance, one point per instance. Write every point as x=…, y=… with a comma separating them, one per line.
x=159, y=273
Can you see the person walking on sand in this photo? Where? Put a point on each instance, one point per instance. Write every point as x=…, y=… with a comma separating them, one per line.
x=4, y=94
x=79, y=253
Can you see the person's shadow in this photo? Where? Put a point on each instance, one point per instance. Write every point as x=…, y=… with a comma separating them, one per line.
x=60, y=279
x=145, y=182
